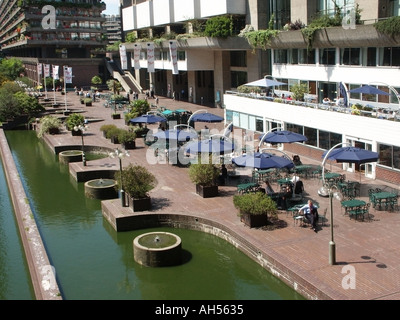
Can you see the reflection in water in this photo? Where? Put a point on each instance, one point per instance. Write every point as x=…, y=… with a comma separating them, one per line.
x=92, y=261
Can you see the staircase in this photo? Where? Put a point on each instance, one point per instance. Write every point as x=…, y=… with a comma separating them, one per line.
x=126, y=79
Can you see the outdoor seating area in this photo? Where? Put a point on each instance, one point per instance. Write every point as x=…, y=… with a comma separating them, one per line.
x=383, y=200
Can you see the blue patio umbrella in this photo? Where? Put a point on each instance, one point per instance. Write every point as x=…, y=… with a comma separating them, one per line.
x=219, y=146
x=283, y=136
x=206, y=117
x=179, y=135
x=352, y=155
x=262, y=161
x=369, y=90
x=148, y=118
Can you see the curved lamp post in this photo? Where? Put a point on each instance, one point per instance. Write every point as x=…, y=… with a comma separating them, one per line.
x=120, y=154
x=333, y=191
x=82, y=128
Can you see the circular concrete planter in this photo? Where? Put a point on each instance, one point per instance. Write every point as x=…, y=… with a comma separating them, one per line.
x=70, y=156
x=157, y=249
x=101, y=189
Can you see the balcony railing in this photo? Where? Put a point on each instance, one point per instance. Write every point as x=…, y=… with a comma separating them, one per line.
x=384, y=113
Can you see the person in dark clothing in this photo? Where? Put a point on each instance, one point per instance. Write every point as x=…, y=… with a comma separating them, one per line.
x=223, y=176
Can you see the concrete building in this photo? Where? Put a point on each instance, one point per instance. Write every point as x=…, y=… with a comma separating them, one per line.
x=112, y=26
x=67, y=33
x=210, y=69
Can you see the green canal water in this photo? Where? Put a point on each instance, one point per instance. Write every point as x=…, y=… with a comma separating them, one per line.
x=93, y=261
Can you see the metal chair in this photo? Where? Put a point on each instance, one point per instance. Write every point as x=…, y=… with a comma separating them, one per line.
x=322, y=217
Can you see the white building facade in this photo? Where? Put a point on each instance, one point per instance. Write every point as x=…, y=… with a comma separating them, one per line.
x=209, y=70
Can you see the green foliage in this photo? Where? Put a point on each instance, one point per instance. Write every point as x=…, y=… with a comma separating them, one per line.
x=204, y=174
x=139, y=107
x=113, y=132
x=74, y=120
x=254, y=203
x=14, y=102
x=130, y=37
x=47, y=123
x=11, y=68
x=87, y=100
x=114, y=86
x=247, y=89
x=125, y=136
x=137, y=181
x=220, y=27
x=298, y=90
x=107, y=127
x=260, y=38
x=27, y=105
x=96, y=80
x=390, y=26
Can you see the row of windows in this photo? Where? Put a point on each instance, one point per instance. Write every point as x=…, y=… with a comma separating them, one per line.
x=384, y=56
x=389, y=156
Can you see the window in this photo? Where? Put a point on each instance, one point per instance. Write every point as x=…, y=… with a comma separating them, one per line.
x=294, y=56
x=280, y=56
x=238, y=78
x=312, y=135
x=259, y=125
x=181, y=55
x=371, y=57
x=350, y=56
x=327, y=56
x=328, y=139
x=389, y=156
x=281, y=11
x=306, y=56
x=238, y=58
x=389, y=56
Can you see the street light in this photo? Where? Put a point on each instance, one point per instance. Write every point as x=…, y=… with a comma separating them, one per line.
x=120, y=154
x=82, y=128
x=331, y=190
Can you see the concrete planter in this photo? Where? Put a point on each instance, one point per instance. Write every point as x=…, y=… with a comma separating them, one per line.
x=254, y=220
x=207, y=191
x=143, y=204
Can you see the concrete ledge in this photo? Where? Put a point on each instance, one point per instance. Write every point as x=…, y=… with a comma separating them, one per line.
x=41, y=271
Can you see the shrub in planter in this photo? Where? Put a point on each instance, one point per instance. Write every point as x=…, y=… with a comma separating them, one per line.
x=88, y=101
x=127, y=139
x=254, y=208
x=204, y=175
x=113, y=134
x=49, y=124
x=74, y=120
x=106, y=127
x=137, y=183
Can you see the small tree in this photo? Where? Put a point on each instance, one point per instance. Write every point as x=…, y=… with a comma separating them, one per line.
x=137, y=181
x=96, y=80
x=204, y=174
x=74, y=120
x=254, y=203
x=299, y=90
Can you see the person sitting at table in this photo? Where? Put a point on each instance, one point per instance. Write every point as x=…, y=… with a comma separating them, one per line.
x=286, y=193
x=298, y=187
x=326, y=100
x=311, y=214
x=296, y=160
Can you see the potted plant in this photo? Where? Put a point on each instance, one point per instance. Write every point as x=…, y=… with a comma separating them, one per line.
x=254, y=208
x=113, y=134
x=137, y=181
x=204, y=175
x=127, y=139
x=88, y=101
x=49, y=124
x=74, y=120
x=106, y=127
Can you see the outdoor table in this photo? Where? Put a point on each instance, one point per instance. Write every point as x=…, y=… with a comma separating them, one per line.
x=388, y=199
x=284, y=181
x=246, y=187
x=332, y=177
x=302, y=169
x=261, y=175
x=352, y=203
